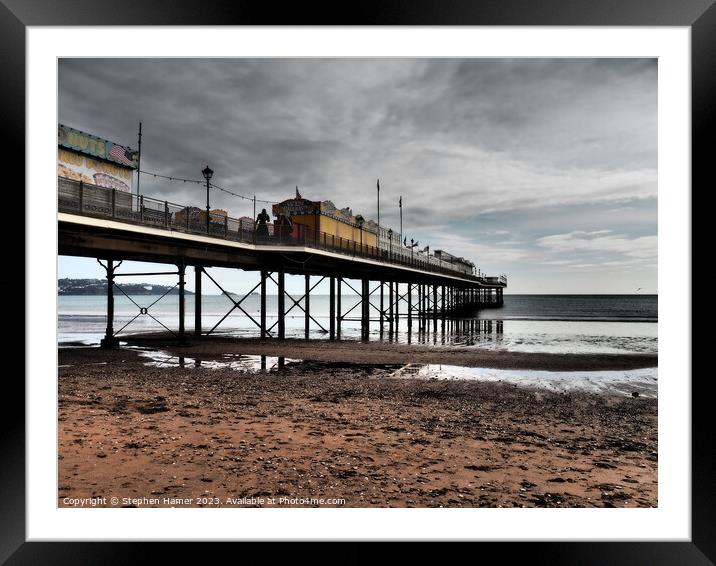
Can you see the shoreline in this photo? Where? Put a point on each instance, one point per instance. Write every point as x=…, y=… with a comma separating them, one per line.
x=383, y=352
x=341, y=437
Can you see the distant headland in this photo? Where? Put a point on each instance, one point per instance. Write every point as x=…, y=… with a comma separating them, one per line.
x=99, y=287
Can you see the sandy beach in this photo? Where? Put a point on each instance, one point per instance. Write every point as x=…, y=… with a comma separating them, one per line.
x=344, y=433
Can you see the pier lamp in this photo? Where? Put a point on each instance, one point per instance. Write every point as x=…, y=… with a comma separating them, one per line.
x=390, y=243
x=360, y=220
x=208, y=174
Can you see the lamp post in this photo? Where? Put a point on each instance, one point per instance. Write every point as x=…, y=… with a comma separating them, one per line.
x=208, y=173
x=360, y=220
x=390, y=244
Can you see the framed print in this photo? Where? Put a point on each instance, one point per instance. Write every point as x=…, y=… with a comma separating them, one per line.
x=392, y=278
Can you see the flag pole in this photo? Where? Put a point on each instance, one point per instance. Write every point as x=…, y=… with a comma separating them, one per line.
x=400, y=203
x=378, y=185
x=139, y=157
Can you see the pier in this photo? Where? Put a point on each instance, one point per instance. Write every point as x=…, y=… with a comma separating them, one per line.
x=113, y=226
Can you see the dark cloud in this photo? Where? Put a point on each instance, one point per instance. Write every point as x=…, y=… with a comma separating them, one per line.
x=460, y=139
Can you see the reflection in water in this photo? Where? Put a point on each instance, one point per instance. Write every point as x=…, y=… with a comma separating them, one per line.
x=239, y=362
x=455, y=332
x=638, y=382
x=629, y=383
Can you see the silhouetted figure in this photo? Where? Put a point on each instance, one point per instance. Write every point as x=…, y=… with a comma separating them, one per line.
x=261, y=225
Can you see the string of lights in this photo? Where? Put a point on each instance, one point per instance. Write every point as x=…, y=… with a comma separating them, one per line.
x=170, y=178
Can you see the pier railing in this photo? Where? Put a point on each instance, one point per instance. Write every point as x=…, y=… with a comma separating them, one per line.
x=85, y=199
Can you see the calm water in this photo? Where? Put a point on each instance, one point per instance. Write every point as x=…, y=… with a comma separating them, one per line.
x=528, y=323
x=642, y=382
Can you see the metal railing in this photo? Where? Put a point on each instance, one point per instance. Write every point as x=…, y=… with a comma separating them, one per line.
x=92, y=200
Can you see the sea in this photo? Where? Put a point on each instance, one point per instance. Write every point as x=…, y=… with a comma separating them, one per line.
x=525, y=323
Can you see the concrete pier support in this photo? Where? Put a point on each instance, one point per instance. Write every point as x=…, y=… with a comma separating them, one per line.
x=382, y=311
x=365, y=313
x=338, y=307
x=197, y=300
x=435, y=308
x=307, y=307
x=410, y=307
x=421, y=307
x=390, y=309
x=181, y=269
x=109, y=341
x=264, y=276
x=281, y=305
x=397, y=308
x=332, y=308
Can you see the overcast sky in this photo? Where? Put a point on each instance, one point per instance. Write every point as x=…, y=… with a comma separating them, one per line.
x=544, y=169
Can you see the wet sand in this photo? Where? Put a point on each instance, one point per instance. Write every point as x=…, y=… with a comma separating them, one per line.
x=353, y=351
x=347, y=434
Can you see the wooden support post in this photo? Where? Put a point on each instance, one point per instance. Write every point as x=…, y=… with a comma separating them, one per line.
x=308, y=306
x=182, y=302
x=197, y=300
x=332, y=308
x=264, y=276
x=281, y=305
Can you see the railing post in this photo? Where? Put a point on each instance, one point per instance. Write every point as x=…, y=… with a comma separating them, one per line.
x=141, y=209
x=166, y=214
x=114, y=200
x=187, y=218
x=226, y=227
x=81, y=195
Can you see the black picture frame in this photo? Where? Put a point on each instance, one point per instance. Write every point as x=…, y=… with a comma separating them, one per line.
x=16, y=15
